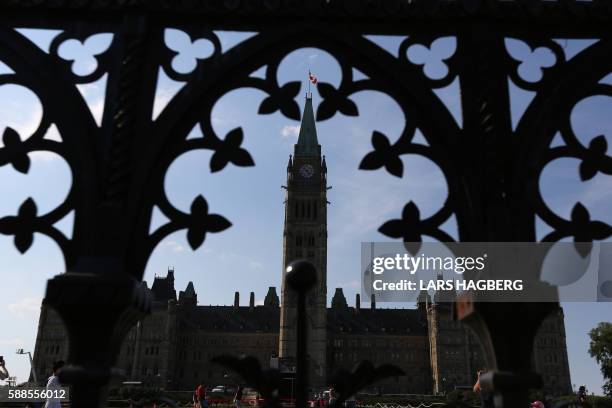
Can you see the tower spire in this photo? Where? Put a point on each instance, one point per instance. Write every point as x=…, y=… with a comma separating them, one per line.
x=308, y=144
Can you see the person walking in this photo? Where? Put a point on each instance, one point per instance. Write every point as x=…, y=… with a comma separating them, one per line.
x=332, y=396
x=4, y=374
x=196, y=403
x=582, y=396
x=200, y=395
x=53, y=384
x=238, y=397
x=486, y=398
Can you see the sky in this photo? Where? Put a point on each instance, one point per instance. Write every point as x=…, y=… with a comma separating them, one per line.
x=248, y=256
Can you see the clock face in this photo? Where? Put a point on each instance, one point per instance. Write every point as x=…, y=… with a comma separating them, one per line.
x=306, y=171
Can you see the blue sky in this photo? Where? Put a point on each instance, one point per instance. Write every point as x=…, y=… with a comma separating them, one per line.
x=247, y=257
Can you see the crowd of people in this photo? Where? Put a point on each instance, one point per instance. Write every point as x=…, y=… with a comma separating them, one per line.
x=202, y=398
x=318, y=399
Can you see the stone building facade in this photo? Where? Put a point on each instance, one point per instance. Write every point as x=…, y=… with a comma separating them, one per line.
x=172, y=347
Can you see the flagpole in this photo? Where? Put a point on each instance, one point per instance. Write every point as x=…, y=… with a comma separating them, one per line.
x=309, y=82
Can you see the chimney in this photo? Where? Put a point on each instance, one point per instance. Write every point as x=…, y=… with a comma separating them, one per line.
x=373, y=302
x=357, y=303
x=252, y=301
x=236, y=300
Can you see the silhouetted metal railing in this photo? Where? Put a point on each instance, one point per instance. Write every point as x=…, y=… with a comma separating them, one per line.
x=492, y=166
x=301, y=276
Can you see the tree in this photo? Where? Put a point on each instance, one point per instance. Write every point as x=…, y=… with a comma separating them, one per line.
x=601, y=349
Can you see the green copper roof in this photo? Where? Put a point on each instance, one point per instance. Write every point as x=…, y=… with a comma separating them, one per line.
x=307, y=144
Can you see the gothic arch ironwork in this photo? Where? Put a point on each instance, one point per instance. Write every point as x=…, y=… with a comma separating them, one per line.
x=118, y=168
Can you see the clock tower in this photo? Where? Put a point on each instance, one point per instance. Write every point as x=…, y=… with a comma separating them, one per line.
x=305, y=237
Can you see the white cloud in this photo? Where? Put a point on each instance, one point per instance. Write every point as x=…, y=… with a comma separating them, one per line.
x=255, y=265
x=174, y=246
x=354, y=284
x=289, y=131
x=24, y=307
x=16, y=343
x=259, y=302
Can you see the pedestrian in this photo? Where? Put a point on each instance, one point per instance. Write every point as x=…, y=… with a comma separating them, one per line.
x=53, y=384
x=201, y=396
x=196, y=403
x=4, y=374
x=332, y=396
x=582, y=396
x=238, y=396
x=486, y=398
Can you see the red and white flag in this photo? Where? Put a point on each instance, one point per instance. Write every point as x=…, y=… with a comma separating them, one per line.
x=312, y=78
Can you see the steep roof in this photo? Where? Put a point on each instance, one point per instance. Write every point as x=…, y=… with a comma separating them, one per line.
x=340, y=320
x=163, y=289
x=190, y=291
x=376, y=321
x=233, y=319
x=307, y=144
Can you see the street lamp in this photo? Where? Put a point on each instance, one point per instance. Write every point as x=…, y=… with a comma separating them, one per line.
x=21, y=352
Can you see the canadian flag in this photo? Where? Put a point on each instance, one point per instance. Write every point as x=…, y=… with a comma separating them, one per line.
x=312, y=78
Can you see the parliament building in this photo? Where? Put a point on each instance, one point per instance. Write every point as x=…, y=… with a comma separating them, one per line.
x=172, y=347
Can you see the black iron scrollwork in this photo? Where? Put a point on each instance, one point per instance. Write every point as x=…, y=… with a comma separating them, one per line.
x=118, y=168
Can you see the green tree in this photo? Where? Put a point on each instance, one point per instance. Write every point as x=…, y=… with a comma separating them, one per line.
x=601, y=349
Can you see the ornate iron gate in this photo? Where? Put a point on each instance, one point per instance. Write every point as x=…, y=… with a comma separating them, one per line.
x=118, y=168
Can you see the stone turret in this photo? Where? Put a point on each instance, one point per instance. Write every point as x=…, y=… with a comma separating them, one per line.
x=339, y=301
x=271, y=298
x=188, y=297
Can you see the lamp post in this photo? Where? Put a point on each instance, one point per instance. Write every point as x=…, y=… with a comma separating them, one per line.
x=301, y=277
x=32, y=371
